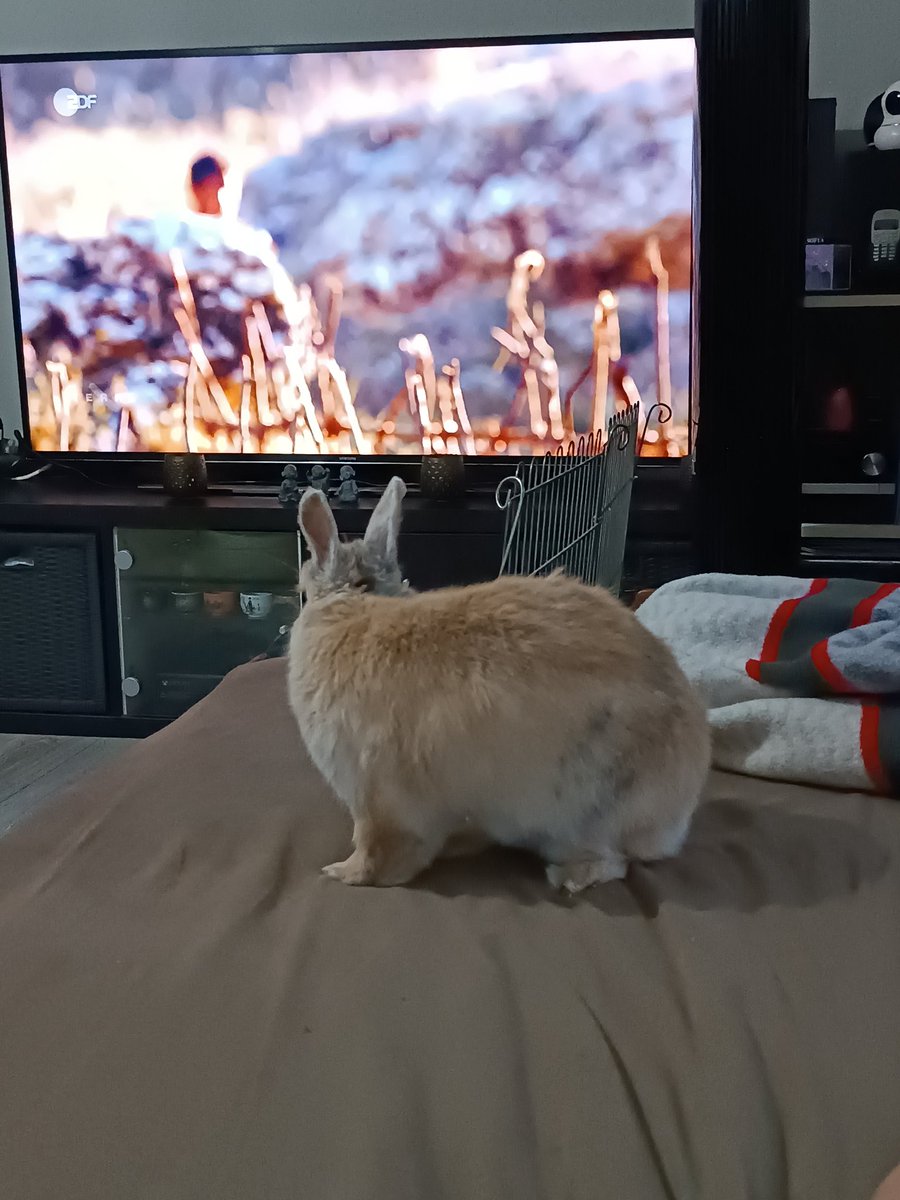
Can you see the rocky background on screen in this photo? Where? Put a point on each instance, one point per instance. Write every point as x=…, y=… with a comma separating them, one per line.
x=463, y=280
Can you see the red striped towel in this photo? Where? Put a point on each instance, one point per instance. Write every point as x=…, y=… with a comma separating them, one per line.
x=802, y=678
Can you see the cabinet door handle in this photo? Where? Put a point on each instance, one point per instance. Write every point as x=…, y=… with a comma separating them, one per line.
x=17, y=563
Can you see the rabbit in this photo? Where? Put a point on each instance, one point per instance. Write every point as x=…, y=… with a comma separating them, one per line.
x=528, y=712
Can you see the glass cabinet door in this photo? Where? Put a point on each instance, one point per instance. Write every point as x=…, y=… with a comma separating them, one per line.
x=195, y=603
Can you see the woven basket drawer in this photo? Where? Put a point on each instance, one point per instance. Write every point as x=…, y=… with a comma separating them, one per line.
x=51, y=646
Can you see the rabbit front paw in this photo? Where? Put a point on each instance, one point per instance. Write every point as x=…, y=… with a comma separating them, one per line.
x=357, y=870
x=385, y=856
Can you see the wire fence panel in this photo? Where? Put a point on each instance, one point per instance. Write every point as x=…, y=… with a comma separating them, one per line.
x=569, y=510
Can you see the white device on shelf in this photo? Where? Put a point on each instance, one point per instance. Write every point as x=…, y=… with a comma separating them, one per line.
x=885, y=234
x=887, y=135
x=881, y=124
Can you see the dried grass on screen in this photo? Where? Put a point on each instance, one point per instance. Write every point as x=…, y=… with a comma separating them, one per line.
x=292, y=397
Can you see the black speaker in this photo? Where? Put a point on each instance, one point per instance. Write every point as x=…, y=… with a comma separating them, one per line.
x=51, y=649
x=748, y=281
x=820, y=170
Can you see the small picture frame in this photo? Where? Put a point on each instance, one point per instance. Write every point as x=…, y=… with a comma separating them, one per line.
x=828, y=267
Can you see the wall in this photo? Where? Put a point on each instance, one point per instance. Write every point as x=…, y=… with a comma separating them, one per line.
x=854, y=53
x=48, y=26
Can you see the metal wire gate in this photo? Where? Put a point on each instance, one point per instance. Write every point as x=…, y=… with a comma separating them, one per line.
x=569, y=510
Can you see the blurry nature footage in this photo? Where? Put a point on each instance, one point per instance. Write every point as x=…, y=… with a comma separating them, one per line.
x=468, y=250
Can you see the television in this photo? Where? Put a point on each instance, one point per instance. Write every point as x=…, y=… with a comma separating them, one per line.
x=481, y=249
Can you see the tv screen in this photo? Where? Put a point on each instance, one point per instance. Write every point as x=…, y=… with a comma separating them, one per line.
x=479, y=249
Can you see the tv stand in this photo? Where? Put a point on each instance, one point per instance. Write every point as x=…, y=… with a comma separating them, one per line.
x=160, y=582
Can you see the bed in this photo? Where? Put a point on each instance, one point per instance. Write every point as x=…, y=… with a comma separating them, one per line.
x=190, y=1011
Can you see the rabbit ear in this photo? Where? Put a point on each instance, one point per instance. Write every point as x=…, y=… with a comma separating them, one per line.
x=316, y=520
x=384, y=524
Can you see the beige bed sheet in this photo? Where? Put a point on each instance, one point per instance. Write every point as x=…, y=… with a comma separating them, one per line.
x=189, y=1011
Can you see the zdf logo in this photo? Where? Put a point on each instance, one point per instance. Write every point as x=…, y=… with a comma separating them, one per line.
x=67, y=103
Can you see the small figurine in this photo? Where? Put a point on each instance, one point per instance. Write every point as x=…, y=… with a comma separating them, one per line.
x=289, y=492
x=12, y=453
x=318, y=478
x=348, y=491
x=11, y=446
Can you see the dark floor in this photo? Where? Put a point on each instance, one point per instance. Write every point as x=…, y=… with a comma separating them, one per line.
x=35, y=768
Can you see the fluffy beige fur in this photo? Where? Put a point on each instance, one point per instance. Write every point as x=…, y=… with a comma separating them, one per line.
x=528, y=712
